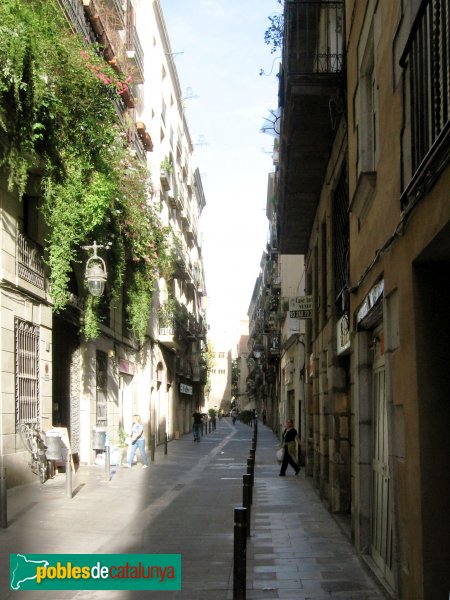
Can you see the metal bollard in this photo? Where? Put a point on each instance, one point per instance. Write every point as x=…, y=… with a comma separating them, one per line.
x=69, y=492
x=3, y=499
x=251, y=469
x=252, y=454
x=165, y=443
x=247, y=498
x=240, y=554
x=107, y=463
x=152, y=448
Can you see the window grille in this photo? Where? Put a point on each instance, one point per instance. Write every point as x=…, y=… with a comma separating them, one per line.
x=27, y=372
x=427, y=56
x=29, y=262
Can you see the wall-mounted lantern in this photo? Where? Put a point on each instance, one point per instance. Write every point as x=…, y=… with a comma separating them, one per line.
x=95, y=274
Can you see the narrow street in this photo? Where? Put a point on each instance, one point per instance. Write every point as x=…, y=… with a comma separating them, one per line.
x=184, y=503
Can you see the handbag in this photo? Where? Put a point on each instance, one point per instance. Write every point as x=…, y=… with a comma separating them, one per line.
x=280, y=454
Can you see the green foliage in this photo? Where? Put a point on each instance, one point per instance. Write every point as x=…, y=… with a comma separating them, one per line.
x=91, y=323
x=57, y=118
x=273, y=36
x=166, y=165
x=122, y=438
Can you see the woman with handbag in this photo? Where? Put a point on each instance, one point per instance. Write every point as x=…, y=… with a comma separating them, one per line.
x=290, y=438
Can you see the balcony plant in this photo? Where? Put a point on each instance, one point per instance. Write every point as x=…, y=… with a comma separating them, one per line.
x=57, y=112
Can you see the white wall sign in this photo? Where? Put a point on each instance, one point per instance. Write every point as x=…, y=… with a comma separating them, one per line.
x=342, y=335
x=186, y=389
x=301, y=307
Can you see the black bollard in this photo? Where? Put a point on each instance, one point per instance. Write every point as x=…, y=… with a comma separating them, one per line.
x=152, y=448
x=240, y=554
x=247, y=497
x=165, y=443
x=3, y=499
x=252, y=454
x=251, y=469
x=69, y=492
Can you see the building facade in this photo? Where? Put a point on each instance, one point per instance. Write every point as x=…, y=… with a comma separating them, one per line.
x=363, y=195
x=52, y=372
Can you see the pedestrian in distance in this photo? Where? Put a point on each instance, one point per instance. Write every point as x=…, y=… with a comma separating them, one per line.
x=290, y=439
x=264, y=416
x=137, y=442
x=197, y=426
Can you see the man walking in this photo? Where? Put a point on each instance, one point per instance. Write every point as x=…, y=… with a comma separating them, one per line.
x=197, y=425
x=290, y=438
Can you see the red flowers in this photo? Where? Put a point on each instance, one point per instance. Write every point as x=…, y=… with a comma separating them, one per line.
x=120, y=86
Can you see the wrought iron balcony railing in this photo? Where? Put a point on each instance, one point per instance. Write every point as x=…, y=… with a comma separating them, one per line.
x=74, y=12
x=313, y=37
x=30, y=266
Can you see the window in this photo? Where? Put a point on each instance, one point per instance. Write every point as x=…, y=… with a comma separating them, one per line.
x=426, y=62
x=367, y=110
x=324, y=269
x=102, y=389
x=27, y=372
x=341, y=267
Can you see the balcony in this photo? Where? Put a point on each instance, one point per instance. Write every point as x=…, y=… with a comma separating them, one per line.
x=165, y=178
x=107, y=18
x=135, y=57
x=117, y=12
x=311, y=82
x=145, y=136
x=30, y=266
x=103, y=27
x=167, y=332
x=74, y=12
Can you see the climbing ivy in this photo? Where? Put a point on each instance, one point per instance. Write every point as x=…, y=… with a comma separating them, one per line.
x=58, y=119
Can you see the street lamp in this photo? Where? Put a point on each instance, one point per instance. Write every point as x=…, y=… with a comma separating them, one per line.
x=95, y=274
x=258, y=350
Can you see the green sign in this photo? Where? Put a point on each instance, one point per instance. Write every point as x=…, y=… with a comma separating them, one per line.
x=95, y=571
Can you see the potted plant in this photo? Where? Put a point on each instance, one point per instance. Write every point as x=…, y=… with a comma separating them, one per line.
x=124, y=440
x=166, y=170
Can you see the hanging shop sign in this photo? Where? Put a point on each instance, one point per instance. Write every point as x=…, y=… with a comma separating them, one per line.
x=186, y=389
x=301, y=307
x=342, y=335
x=375, y=294
x=127, y=367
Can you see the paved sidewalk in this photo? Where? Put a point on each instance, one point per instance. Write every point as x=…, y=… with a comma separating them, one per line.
x=184, y=503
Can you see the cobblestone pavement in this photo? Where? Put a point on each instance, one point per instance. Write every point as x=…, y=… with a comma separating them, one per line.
x=184, y=504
